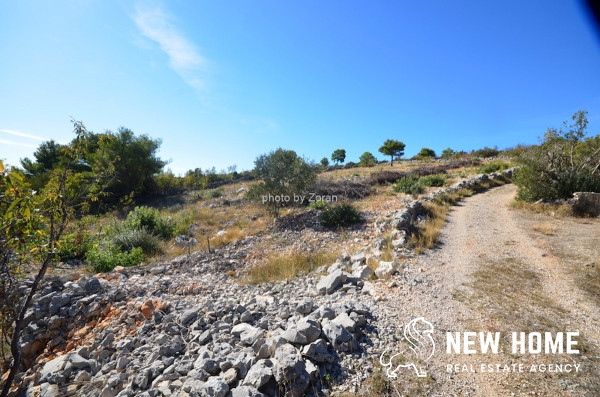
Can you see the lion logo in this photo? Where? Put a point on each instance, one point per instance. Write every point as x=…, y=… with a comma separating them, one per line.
x=418, y=335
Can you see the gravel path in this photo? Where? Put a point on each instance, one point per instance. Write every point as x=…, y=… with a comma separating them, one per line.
x=488, y=274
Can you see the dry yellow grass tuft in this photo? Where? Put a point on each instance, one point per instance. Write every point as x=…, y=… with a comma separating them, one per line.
x=545, y=228
x=437, y=210
x=288, y=266
x=556, y=210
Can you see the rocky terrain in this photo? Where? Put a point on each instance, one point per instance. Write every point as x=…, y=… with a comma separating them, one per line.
x=189, y=327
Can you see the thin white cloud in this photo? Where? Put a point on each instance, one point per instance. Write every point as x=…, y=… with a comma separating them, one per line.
x=5, y=142
x=23, y=135
x=184, y=57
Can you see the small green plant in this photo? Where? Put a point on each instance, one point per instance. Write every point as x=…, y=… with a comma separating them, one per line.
x=105, y=257
x=317, y=205
x=437, y=180
x=216, y=193
x=126, y=239
x=75, y=245
x=493, y=167
x=409, y=184
x=183, y=223
x=340, y=215
x=150, y=219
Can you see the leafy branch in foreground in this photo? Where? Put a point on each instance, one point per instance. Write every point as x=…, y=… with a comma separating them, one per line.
x=30, y=229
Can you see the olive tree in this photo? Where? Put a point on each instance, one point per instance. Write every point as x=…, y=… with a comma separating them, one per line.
x=284, y=177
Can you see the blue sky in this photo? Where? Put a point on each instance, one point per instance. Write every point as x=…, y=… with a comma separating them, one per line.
x=222, y=82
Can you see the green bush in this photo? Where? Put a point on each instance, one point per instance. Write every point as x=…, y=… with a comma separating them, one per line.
x=486, y=152
x=317, y=205
x=493, y=167
x=409, y=184
x=183, y=223
x=437, y=180
x=126, y=239
x=75, y=245
x=340, y=215
x=564, y=163
x=105, y=257
x=150, y=218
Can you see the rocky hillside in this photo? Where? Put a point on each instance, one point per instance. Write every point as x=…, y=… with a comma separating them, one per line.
x=190, y=328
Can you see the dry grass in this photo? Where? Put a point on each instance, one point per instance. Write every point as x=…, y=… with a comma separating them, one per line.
x=556, y=210
x=511, y=293
x=437, y=211
x=366, y=171
x=238, y=222
x=545, y=228
x=378, y=384
x=288, y=266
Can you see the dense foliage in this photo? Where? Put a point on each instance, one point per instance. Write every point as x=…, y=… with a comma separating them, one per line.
x=32, y=224
x=564, y=163
x=283, y=175
x=486, y=152
x=132, y=158
x=340, y=215
x=393, y=149
x=338, y=156
x=426, y=153
x=413, y=184
x=367, y=160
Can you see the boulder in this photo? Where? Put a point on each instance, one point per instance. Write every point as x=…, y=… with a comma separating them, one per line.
x=339, y=337
x=246, y=391
x=318, y=352
x=385, y=269
x=290, y=370
x=362, y=272
x=330, y=283
x=259, y=374
x=215, y=386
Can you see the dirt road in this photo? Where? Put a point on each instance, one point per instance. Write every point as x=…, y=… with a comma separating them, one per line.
x=503, y=270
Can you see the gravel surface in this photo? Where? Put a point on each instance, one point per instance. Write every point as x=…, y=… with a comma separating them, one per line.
x=490, y=274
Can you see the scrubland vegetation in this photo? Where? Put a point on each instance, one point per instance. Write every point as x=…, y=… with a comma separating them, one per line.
x=106, y=200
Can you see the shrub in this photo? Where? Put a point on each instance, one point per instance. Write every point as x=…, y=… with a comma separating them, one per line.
x=493, y=167
x=183, y=223
x=75, y=245
x=149, y=218
x=409, y=184
x=564, y=163
x=127, y=239
x=340, y=215
x=367, y=160
x=341, y=189
x=317, y=205
x=437, y=180
x=167, y=183
x=105, y=257
x=216, y=193
x=486, y=152
x=426, y=153
x=448, y=153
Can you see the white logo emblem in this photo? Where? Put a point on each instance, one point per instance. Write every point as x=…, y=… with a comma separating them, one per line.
x=418, y=334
